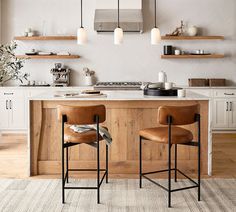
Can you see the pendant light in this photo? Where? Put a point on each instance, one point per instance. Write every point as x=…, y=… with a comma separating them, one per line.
x=81, y=32
x=155, y=33
x=118, y=33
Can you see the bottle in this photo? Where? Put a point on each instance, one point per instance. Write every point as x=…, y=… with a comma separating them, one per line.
x=162, y=77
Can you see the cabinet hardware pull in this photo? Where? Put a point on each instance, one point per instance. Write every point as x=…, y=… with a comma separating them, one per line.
x=227, y=109
x=231, y=106
x=10, y=103
x=229, y=94
x=6, y=104
x=8, y=93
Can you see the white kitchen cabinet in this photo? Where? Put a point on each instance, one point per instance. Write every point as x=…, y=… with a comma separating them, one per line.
x=232, y=114
x=4, y=120
x=220, y=115
x=17, y=114
x=224, y=114
x=12, y=108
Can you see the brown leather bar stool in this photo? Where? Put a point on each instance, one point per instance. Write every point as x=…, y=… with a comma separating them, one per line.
x=81, y=115
x=173, y=135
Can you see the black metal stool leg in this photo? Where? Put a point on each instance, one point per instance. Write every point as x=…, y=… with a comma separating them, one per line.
x=199, y=157
x=175, y=162
x=98, y=173
x=140, y=162
x=67, y=165
x=169, y=176
x=169, y=161
x=63, y=185
x=107, y=163
x=199, y=172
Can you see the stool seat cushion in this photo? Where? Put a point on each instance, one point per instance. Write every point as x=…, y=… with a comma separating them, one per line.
x=160, y=134
x=86, y=137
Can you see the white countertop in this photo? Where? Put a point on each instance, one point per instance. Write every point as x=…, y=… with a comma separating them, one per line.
x=208, y=87
x=117, y=96
x=91, y=87
x=46, y=87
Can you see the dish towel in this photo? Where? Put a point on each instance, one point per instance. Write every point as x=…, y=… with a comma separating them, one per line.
x=85, y=128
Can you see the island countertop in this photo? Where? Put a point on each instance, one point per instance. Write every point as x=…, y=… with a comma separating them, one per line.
x=115, y=96
x=127, y=112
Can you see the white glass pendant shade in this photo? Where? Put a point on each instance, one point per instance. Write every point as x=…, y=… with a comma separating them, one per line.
x=118, y=36
x=155, y=36
x=81, y=36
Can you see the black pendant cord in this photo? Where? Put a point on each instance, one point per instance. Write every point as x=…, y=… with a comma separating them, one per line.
x=118, y=13
x=155, y=5
x=81, y=18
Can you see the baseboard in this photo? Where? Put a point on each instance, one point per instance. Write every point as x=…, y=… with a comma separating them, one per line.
x=15, y=132
x=224, y=132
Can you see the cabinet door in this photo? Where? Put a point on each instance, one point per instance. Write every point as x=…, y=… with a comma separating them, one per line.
x=4, y=111
x=232, y=114
x=17, y=117
x=220, y=114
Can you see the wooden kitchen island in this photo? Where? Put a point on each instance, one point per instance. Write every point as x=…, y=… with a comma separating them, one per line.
x=127, y=113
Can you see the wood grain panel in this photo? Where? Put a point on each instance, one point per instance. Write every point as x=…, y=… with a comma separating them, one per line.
x=35, y=134
x=124, y=120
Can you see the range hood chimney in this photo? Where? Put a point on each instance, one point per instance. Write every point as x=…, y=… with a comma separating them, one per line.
x=131, y=16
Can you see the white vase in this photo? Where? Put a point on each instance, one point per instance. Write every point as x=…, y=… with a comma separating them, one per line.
x=88, y=80
x=192, y=31
x=162, y=77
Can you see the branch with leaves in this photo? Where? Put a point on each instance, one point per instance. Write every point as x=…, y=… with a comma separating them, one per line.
x=10, y=65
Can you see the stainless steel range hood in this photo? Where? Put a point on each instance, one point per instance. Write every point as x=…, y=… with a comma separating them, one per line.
x=131, y=16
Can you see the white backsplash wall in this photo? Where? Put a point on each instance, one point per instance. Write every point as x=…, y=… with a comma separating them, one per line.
x=136, y=59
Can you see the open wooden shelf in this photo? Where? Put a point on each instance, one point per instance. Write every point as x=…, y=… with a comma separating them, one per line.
x=211, y=56
x=48, y=56
x=43, y=38
x=192, y=37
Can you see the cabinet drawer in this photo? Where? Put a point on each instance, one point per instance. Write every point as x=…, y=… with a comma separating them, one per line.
x=9, y=94
x=205, y=92
x=230, y=93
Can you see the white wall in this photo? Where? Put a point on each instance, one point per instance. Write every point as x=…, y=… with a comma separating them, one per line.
x=0, y=21
x=136, y=59
x=125, y=4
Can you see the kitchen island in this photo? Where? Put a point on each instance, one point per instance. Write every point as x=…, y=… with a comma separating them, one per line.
x=127, y=113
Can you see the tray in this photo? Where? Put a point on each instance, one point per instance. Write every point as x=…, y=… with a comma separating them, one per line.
x=160, y=92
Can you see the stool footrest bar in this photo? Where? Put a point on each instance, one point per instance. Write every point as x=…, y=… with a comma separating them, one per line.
x=85, y=170
x=102, y=178
x=187, y=177
x=174, y=190
x=185, y=188
x=155, y=183
x=80, y=187
x=165, y=170
x=65, y=177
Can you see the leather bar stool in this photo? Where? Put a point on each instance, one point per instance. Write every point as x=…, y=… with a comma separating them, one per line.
x=172, y=135
x=81, y=115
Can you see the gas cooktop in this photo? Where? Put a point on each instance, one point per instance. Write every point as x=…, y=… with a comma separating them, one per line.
x=118, y=86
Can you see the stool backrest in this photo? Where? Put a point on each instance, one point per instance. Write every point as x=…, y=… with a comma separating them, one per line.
x=181, y=115
x=82, y=114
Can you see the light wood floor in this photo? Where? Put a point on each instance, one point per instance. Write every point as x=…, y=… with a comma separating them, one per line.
x=14, y=157
x=224, y=155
